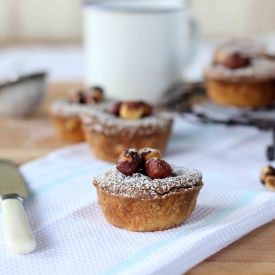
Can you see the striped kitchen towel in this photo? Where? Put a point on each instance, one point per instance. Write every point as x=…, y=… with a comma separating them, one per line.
x=74, y=238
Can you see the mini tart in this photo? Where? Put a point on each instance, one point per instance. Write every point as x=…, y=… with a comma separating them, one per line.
x=109, y=135
x=65, y=117
x=251, y=86
x=138, y=203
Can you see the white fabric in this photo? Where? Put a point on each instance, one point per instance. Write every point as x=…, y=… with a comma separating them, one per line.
x=74, y=238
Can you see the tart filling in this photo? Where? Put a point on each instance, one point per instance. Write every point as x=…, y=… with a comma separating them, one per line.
x=65, y=108
x=99, y=120
x=140, y=186
x=259, y=69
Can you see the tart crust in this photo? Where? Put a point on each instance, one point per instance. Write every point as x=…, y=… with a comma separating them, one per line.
x=242, y=95
x=68, y=128
x=66, y=121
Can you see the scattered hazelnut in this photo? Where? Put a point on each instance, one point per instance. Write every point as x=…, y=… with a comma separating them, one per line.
x=131, y=110
x=148, y=153
x=114, y=108
x=147, y=109
x=77, y=96
x=270, y=183
x=235, y=61
x=128, y=162
x=157, y=168
x=266, y=171
x=94, y=95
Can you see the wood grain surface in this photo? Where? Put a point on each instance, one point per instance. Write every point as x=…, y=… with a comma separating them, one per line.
x=22, y=140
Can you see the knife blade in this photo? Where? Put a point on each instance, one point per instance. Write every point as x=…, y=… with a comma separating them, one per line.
x=17, y=232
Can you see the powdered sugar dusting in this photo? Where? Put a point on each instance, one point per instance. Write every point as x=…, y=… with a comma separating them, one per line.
x=63, y=107
x=99, y=120
x=248, y=48
x=140, y=186
x=260, y=69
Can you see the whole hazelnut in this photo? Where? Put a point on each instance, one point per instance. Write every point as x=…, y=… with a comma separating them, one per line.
x=131, y=110
x=147, y=109
x=148, y=153
x=270, y=183
x=114, y=108
x=77, y=96
x=94, y=95
x=220, y=56
x=128, y=162
x=235, y=61
x=157, y=168
x=266, y=171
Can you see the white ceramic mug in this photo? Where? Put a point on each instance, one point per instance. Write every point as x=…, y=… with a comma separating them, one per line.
x=137, y=49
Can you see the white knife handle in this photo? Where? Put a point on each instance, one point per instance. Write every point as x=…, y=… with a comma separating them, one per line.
x=18, y=235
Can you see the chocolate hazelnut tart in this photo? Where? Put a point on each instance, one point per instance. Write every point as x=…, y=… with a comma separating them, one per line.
x=65, y=112
x=140, y=203
x=240, y=81
x=109, y=134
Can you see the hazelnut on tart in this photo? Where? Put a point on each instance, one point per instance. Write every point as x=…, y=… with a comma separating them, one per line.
x=235, y=79
x=160, y=197
x=247, y=47
x=115, y=126
x=65, y=112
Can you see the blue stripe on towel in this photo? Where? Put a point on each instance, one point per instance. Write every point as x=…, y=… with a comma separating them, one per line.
x=65, y=179
x=143, y=253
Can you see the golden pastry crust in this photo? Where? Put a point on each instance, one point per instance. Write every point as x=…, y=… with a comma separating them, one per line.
x=109, y=147
x=242, y=95
x=148, y=215
x=138, y=203
x=109, y=135
x=68, y=128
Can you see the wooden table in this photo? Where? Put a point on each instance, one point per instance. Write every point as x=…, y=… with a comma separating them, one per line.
x=22, y=140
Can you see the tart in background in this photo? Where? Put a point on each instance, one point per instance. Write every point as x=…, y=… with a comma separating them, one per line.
x=240, y=81
x=115, y=126
x=65, y=112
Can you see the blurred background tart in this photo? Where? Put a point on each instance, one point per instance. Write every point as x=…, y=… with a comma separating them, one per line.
x=114, y=126
x=65, y=112
x=237, y=79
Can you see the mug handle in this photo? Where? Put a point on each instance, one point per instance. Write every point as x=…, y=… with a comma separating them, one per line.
x=194, y=38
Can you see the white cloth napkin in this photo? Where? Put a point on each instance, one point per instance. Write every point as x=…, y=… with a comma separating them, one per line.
x=74, y=238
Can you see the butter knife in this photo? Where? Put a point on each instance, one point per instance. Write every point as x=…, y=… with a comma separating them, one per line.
x=18, y=235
